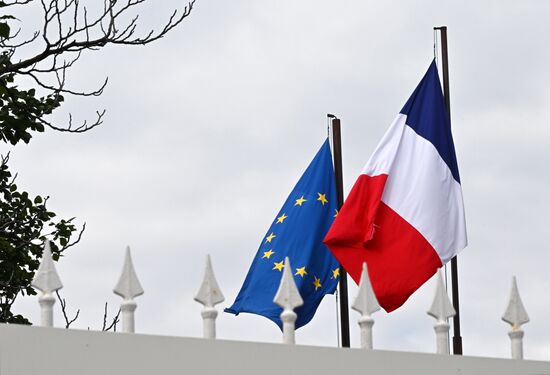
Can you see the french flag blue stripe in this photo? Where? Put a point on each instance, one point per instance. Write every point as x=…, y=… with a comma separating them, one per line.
x=427, y=116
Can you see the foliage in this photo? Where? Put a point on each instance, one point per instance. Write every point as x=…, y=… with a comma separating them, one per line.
x=68, y=29
x=24, y=224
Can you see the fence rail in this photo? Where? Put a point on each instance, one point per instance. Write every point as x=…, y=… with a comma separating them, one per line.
x=36, y=350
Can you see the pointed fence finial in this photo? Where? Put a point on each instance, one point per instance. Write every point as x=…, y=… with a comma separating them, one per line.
x=209, y=295
x=128, y=287
x=47, y=281
x=442, y=309
x=288, y=297
x=366, y=303
x=516, y=316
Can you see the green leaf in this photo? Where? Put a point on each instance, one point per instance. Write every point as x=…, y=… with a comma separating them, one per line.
x=38, y=199
x=4, y=30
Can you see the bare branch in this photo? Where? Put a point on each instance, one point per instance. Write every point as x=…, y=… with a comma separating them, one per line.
x=113, y=323
x=110, y=35
x=60, y=89
x=63, y=303
x=67, y=30
x=20, y=44
x=83, y=127
x=16, y=2
x=77, y=239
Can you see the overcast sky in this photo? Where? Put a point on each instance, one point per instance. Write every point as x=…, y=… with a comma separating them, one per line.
x=208, y=130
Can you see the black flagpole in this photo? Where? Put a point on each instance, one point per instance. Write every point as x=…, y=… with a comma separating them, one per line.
x=343, y=284
x=457, y=339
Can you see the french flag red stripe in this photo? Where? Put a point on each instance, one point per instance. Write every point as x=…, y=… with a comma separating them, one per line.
x=400, y=259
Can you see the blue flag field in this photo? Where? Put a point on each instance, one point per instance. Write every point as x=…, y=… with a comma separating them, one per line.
x=297, y=232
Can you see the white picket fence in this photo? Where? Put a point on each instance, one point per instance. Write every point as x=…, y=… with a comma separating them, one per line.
x=31, y=350
x=288, y=297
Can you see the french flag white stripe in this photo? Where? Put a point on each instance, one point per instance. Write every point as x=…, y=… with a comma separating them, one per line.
x=420, y=188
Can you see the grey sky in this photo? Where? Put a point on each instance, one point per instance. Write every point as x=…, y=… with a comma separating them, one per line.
x=208, y=130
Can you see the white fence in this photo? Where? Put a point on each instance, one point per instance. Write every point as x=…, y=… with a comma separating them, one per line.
x=45, y=351
x=83, y=352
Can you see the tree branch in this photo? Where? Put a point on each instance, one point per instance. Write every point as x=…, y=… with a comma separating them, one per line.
x=67, y=30
x=113, y=323
x=63, y=303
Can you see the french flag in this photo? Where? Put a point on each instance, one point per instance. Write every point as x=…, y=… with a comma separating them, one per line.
x=405, y=214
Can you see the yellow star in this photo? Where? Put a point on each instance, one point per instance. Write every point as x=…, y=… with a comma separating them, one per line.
x=335, y=273
x=270, y=237
x=279, y=266
x=301, y=271
x=300, y=200
x=317, y=283
x=336, y=214
x=322, y=198
x=268, y=253
x=281, y=218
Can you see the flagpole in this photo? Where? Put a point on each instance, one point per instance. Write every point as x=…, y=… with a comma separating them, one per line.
x=457, y=338
x=343, y=284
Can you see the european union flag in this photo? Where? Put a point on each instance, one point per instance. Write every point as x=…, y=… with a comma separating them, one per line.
x=297, y=232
